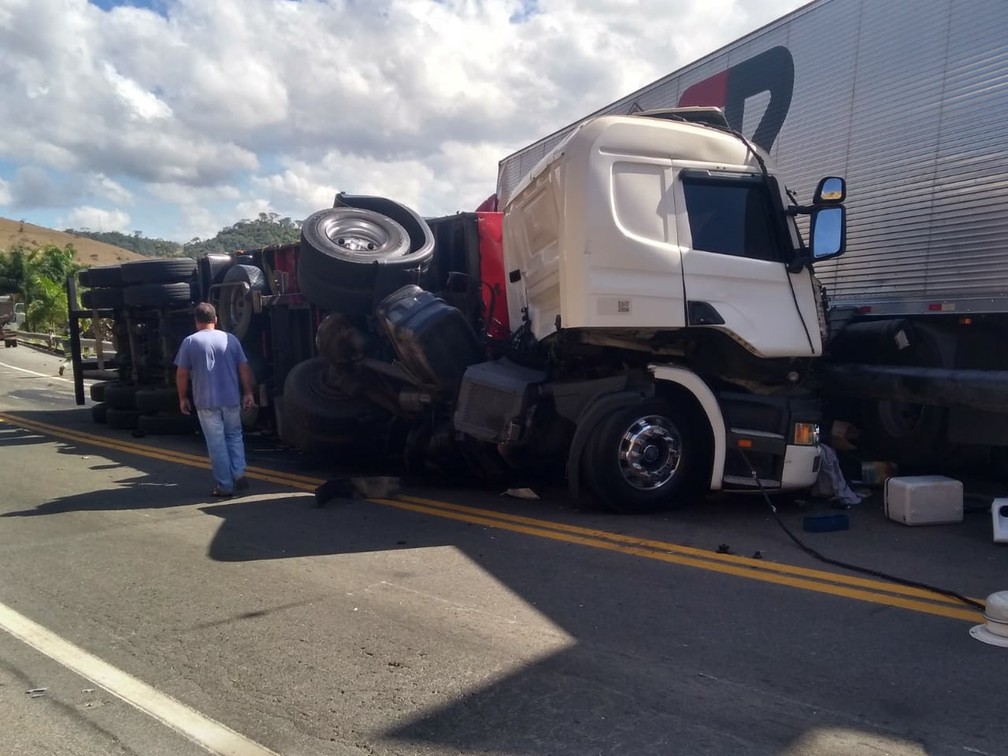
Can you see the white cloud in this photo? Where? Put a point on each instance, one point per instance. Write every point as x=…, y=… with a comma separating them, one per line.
x=102, y=186
x=139, y=103
x=216, y=108
x=97, y=219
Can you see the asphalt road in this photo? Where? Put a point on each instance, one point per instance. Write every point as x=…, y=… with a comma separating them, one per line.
x=140, y=616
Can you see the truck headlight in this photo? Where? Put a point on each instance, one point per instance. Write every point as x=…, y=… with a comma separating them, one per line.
x=806, y=434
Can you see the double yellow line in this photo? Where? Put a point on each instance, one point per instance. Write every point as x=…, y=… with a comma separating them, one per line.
x=293, y=480
x=818, y=581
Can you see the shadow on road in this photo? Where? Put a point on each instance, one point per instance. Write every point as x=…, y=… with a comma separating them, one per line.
x=653, y=665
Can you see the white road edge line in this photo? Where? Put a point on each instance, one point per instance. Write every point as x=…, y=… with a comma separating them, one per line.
x=34, y=372
x=205, y=732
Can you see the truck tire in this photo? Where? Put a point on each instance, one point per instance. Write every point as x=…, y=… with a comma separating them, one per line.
x=896, y=431
x=354, y=303
x=151, y=400
x=169, y=270
x=643, y=458
x=101, y=299
x=97, y=391
x=121, y=419
x=234, y=306
x=351, y=251
x=157, y=295
x=315, y=409
x=902, y=432
x=101, y=276
x=168, y=424
x=98, y=412
x=120, y=396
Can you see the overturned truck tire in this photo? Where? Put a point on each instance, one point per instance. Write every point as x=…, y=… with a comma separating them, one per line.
x=101, y=276
x=317, y=416
x=168, y=424
x=169, y=270
x=158, y=399
x=157, y=295
x=101, y=299
x=121, y=419
x=98, y=412
x=351, y=256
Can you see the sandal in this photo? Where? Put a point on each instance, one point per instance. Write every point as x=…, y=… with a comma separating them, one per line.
x=218, y=491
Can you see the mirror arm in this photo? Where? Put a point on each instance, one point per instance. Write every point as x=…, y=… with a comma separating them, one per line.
x=801, y=209
x=799, y=263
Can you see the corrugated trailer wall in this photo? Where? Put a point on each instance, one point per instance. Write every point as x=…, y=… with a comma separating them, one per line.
x=908, y=99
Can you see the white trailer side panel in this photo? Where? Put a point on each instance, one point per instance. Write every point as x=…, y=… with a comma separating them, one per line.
x=908, y=99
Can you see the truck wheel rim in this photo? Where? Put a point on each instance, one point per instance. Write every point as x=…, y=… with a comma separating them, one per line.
x=239, y=310
x=358, y=237
x=649, y=452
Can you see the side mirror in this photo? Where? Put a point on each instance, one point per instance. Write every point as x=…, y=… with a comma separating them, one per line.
x=831, y=190
x=828, y=232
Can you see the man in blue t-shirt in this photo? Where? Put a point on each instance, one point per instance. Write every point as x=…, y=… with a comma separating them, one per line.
x=215, y=361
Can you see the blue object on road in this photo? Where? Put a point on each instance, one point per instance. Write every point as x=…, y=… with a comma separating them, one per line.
x=822, y=523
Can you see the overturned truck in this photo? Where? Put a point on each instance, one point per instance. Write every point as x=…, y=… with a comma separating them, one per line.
x=641, y=318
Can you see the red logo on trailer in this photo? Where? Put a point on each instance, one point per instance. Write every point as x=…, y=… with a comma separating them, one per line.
x=771, y=71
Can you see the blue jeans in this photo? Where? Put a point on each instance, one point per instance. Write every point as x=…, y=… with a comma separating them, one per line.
x=222, y=429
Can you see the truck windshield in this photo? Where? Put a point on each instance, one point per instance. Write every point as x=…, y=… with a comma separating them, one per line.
x=733, y=216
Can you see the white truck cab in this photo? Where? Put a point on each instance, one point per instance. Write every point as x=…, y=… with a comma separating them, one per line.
x=660, y=252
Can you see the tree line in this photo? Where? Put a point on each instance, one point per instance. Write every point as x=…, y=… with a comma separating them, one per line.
x=265, y=231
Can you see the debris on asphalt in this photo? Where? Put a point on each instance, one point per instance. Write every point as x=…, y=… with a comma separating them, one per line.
x=521, y=493
x=374, y=487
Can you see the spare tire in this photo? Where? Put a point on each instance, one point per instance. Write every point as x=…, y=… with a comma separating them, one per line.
x=234, y=302
x=354, y=250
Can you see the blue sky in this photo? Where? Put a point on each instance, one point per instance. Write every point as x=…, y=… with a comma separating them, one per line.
x=109, y=4
x=176, y=118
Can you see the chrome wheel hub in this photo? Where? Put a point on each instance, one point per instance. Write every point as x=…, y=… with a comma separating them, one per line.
x=649, y=452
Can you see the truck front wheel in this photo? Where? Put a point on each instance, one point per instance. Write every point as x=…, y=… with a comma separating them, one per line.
x=642, y=458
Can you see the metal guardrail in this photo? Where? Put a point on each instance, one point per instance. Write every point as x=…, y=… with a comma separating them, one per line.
x=58, y=342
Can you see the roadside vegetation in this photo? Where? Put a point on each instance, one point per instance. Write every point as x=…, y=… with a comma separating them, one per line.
x=37, y=276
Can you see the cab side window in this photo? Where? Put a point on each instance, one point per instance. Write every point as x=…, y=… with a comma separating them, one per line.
x=732, y=217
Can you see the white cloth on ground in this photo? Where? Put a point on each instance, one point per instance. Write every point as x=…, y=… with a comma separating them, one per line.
x=831, y=483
